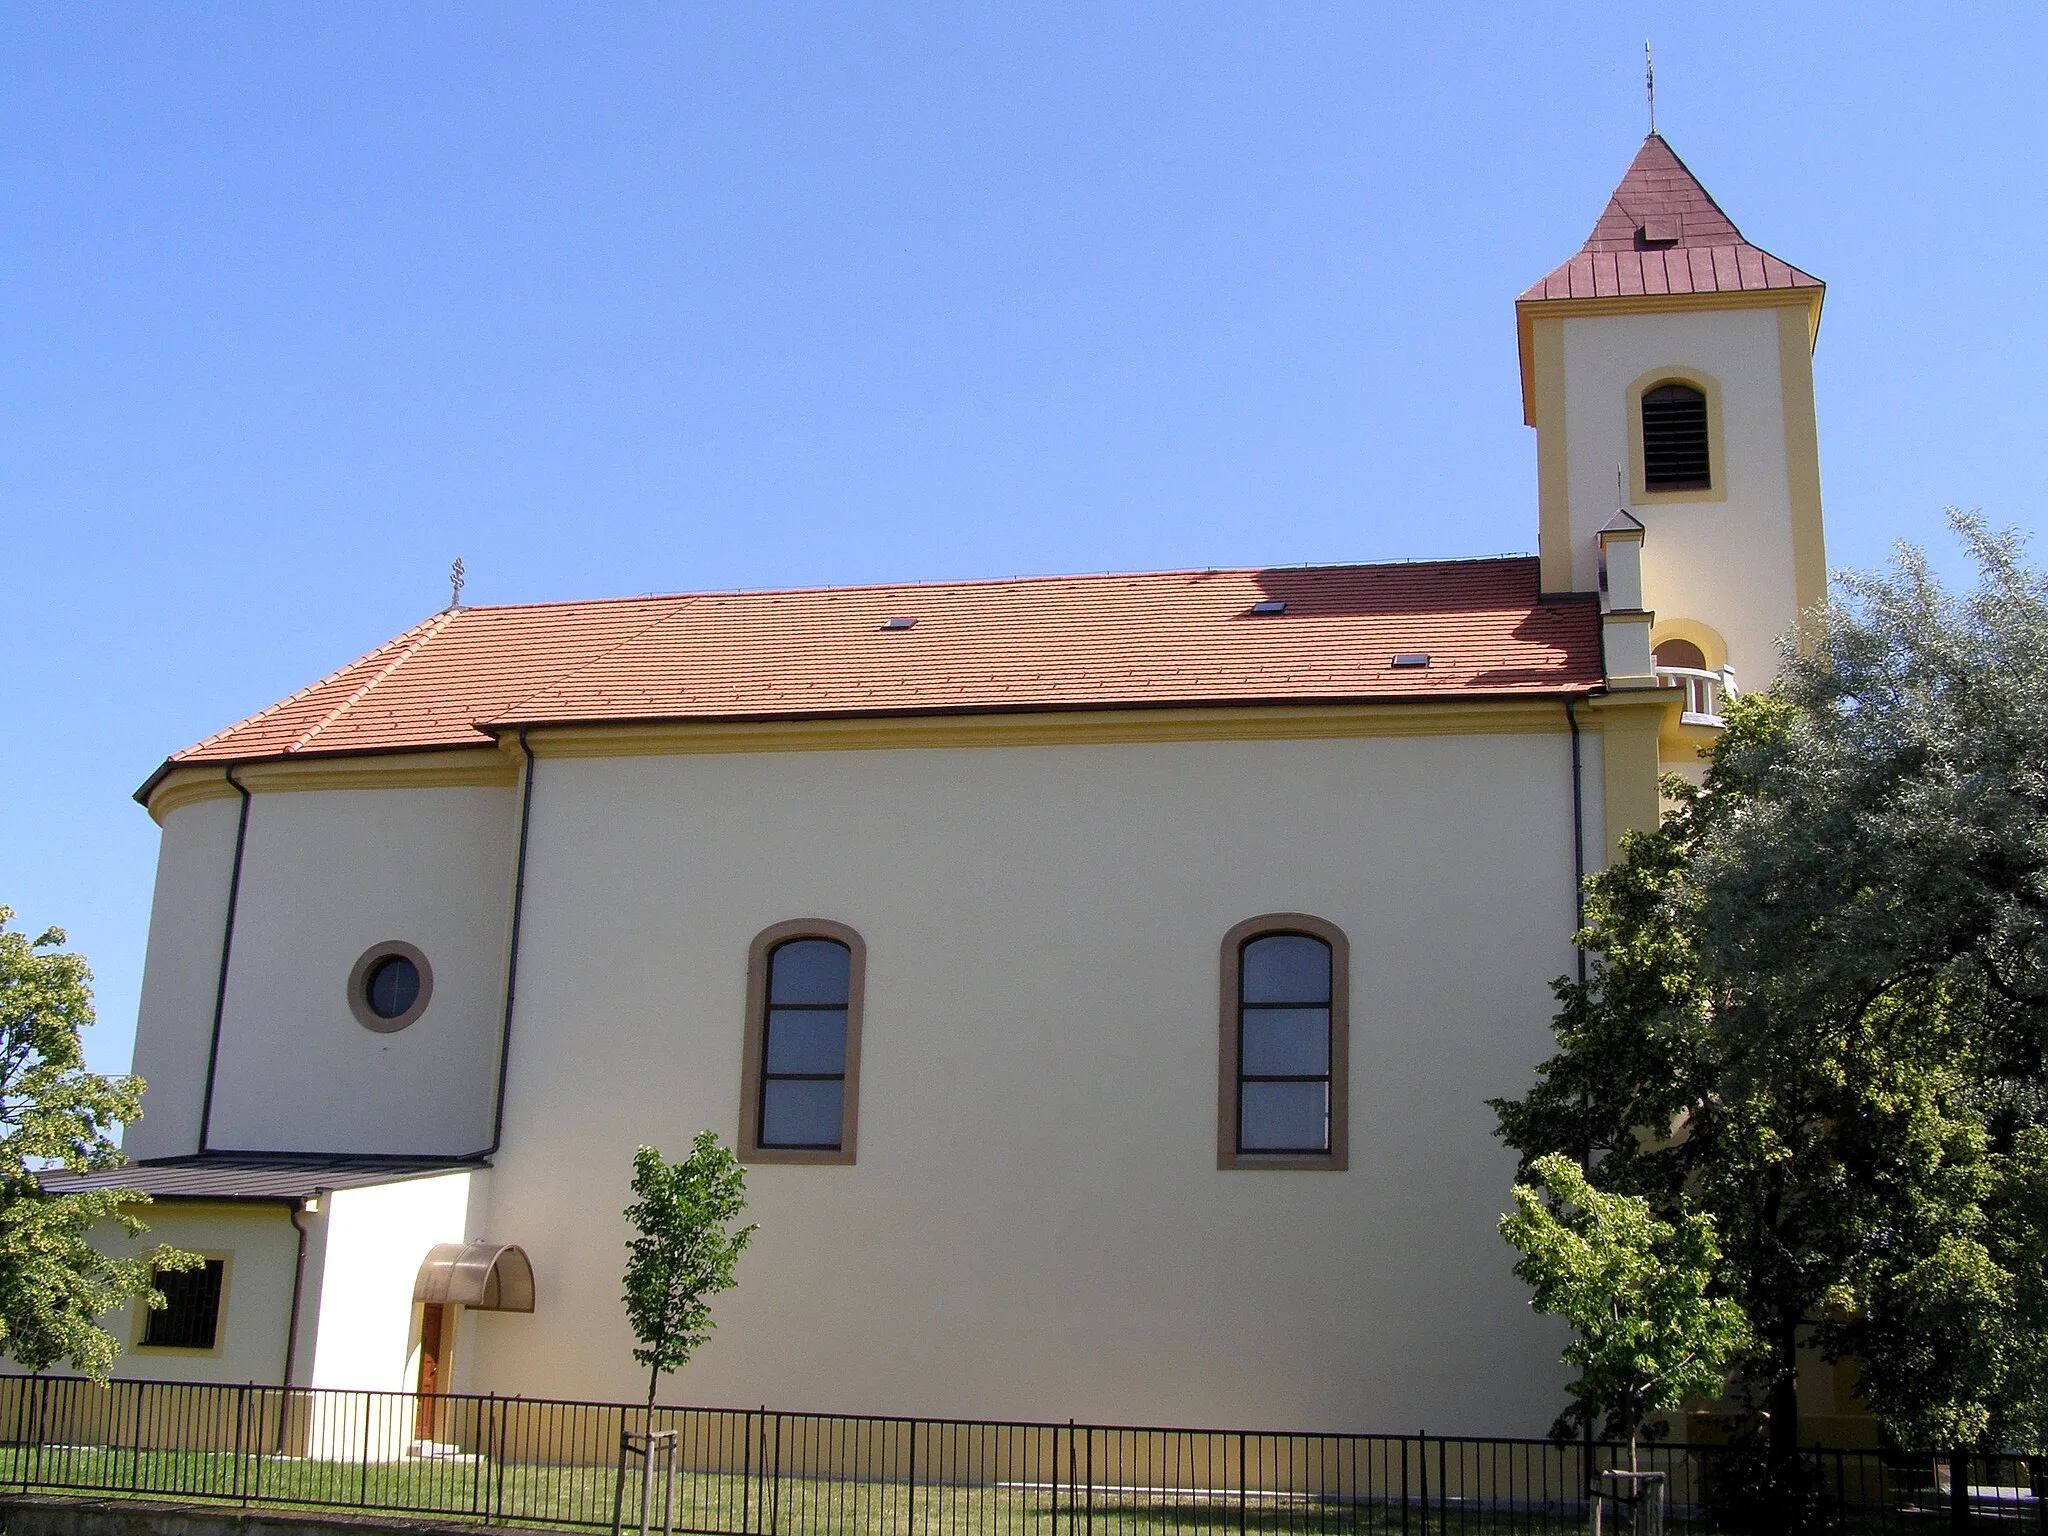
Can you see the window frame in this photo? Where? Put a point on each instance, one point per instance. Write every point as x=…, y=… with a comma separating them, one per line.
x=1717, y=460
x=143, y=1313
x=359, y=983
x=1229, y=1085
x=765, y=943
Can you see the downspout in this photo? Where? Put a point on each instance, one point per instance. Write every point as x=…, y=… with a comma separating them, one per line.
x=227, y=944
x=291, y=1332
x=1579, y=923
x=512, y=956
x=1578, y=836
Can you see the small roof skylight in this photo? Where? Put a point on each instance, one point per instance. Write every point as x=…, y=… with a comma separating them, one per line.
x=1269, y=605
x=901, y=621
x=1412, y=659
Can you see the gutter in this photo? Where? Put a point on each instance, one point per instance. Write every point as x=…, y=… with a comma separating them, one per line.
x=227, y=945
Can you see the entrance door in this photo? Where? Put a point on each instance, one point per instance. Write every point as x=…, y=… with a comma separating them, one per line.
x=434, y=1342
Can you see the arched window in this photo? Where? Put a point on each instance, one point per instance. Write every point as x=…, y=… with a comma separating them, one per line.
x=799, y=1094
x=1284, y=1064
x=1681, y=653
x=1675, y=443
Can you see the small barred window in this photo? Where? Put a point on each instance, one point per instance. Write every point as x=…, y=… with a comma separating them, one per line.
x=190, y=1316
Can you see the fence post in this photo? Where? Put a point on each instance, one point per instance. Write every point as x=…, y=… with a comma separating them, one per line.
x=747, y=1471
x=1240, y=1484
x=1088, y=1488
x=775, y=1479
x=497, y=1506
x=910, y=1493
x=1073, y=1475
x=241, y=1425
x=41, y=1408
x=1053, y=1472
x=1403, y=1443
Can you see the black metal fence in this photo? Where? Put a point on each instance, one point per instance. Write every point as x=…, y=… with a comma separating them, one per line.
x=528, y=1461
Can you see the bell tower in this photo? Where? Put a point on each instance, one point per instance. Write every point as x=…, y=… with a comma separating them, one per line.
x=1668, y=371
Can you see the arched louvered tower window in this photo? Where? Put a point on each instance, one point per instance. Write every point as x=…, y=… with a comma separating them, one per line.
x=1675, y=439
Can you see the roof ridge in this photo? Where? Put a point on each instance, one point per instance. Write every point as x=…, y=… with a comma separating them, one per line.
x=310, y=689
x=430, y=628
x=1001, y=581
x=679, y=603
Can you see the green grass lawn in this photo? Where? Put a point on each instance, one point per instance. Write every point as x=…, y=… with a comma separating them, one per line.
x=543, y=1494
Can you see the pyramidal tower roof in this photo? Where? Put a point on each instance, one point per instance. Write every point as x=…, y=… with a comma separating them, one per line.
x=1663, y=234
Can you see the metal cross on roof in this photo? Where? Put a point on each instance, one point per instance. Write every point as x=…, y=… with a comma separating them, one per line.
x=1650, y=84
x=455, y=583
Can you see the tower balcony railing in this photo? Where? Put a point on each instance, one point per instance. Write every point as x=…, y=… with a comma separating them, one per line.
x=1707, y=694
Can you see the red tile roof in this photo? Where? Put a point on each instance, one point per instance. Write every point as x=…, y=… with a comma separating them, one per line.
x=1662, y=233
x=1070, y=642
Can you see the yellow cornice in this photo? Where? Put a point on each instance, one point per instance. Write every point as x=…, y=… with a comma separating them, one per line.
x=1528, y=311
x=459, y=768
x=1286, y=722
x=1631, y=701
x=499, y=766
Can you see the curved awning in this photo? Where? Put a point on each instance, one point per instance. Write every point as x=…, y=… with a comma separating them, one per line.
x=485, y=1277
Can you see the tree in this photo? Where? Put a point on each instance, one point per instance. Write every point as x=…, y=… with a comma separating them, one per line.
x=1635, y=1291
x=1818, y=1008
x=686, y=1251
x=54, y=1284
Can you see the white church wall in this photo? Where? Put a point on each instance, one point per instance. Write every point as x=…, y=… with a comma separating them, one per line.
x=327, y=874
x=179, y=974
x=359, y=1315
x=1727, y=562
x=1036, y=1226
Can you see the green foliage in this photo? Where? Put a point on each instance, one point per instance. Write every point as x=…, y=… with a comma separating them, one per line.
x=53, y=1283
x=1635, y=1291
x=686, y=1252
x=1818, y=1009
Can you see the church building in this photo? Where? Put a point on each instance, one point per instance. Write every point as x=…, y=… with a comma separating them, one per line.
x=1102, y=978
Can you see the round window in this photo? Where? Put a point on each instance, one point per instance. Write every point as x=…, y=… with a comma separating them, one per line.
x=389, y=986
x=394, y=986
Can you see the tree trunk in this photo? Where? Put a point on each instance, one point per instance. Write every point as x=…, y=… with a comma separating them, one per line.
x=1783, y=1443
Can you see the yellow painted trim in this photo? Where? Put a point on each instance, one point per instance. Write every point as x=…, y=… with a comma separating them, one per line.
x=188, y=786
x=1805, y=302
x=1630, y=725
x=1708, y=639
x=1067, y=728
x=1546, y=397
x=1682, y=747
x=1802, y=469
x=499, y=767
x=463, y=767
x=1717, y=459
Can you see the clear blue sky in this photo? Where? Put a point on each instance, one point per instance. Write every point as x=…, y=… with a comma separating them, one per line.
x=300, y=302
